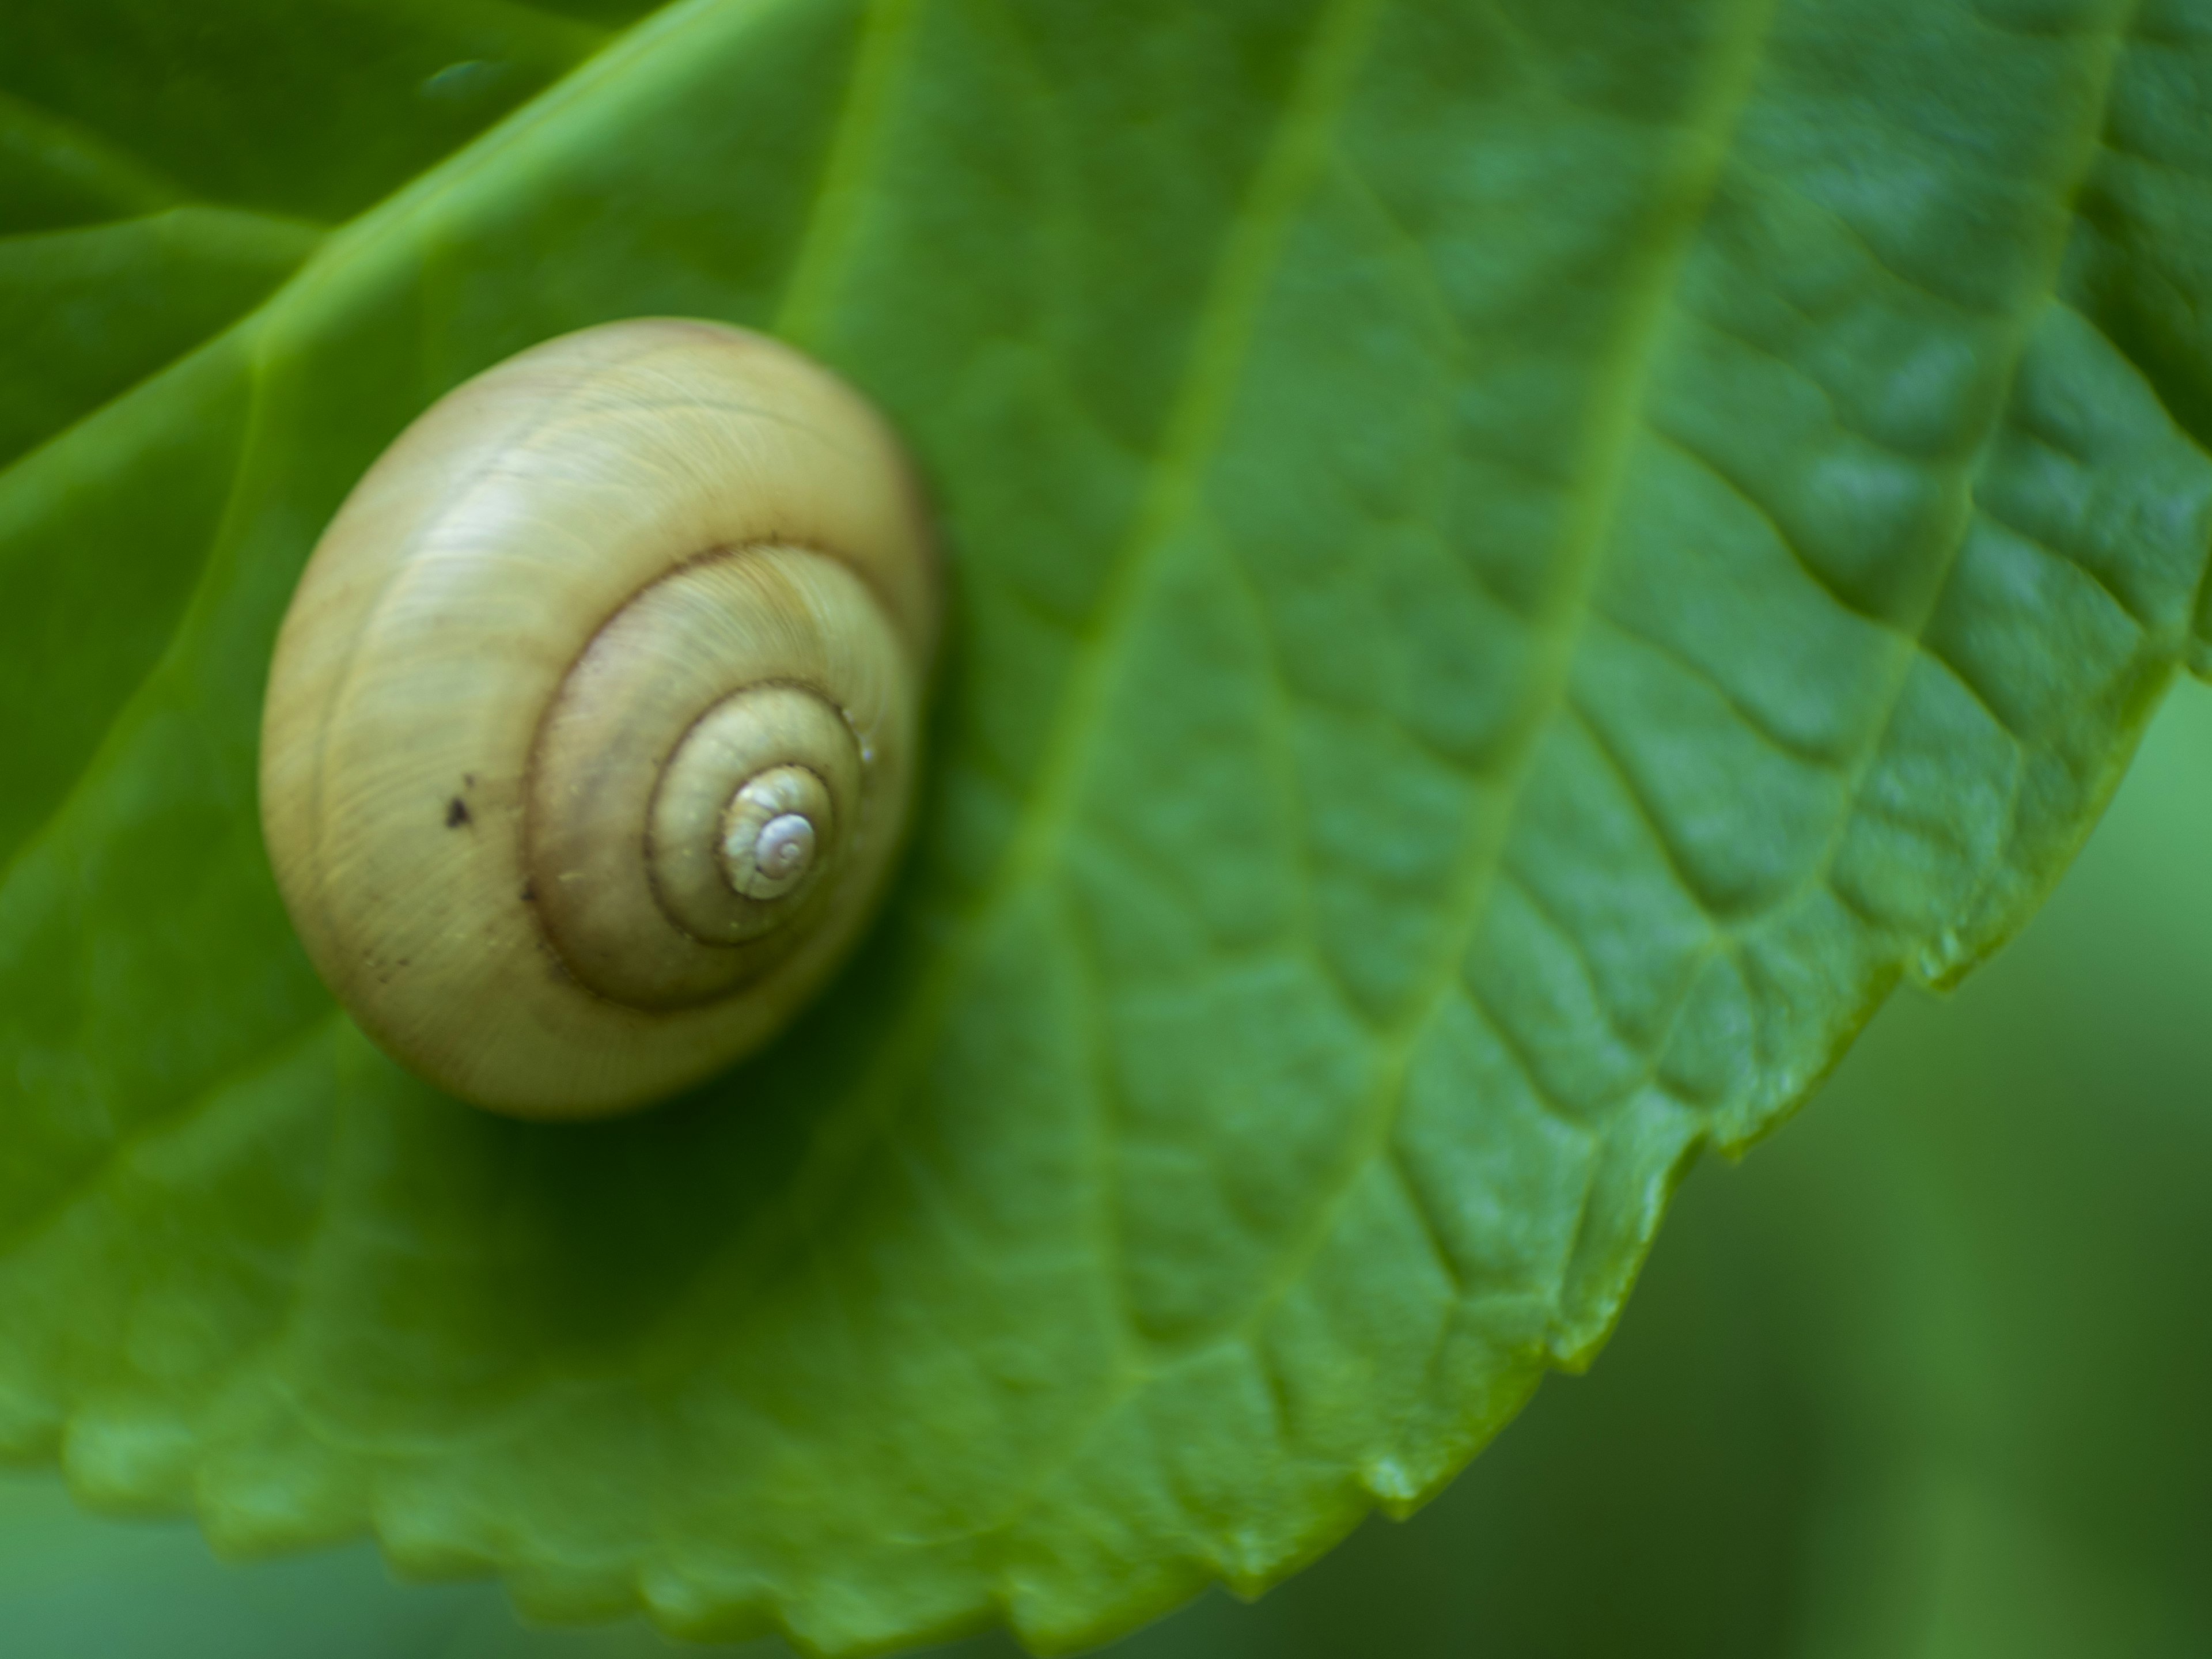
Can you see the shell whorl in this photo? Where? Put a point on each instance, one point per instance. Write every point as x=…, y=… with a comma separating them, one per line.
x=591, y=732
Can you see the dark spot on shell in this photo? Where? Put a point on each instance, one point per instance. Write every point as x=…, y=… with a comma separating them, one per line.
x=530, y=892
x=456, y=814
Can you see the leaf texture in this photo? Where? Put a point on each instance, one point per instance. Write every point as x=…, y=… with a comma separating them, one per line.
x=1517, y=566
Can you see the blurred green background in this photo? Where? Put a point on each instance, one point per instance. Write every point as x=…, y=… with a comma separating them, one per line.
x=1929, y=1374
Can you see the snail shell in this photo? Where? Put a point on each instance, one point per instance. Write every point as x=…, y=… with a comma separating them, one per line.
x=591, y=732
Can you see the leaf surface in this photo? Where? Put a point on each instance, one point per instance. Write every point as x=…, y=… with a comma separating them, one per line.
x=1515, y=567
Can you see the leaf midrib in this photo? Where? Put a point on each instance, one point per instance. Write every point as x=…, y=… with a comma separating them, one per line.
x=1478, y=867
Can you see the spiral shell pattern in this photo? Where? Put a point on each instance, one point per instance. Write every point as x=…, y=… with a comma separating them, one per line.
x=591, y=734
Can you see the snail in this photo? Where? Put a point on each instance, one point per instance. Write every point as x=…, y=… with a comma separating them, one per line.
x=590, y=734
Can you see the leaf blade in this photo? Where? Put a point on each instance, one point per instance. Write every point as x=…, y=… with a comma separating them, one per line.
x=1376, y=841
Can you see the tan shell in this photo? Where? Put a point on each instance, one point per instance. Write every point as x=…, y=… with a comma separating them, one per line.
x=591, y=734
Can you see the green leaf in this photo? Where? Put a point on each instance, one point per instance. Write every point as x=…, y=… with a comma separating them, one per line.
x=1515, y=568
